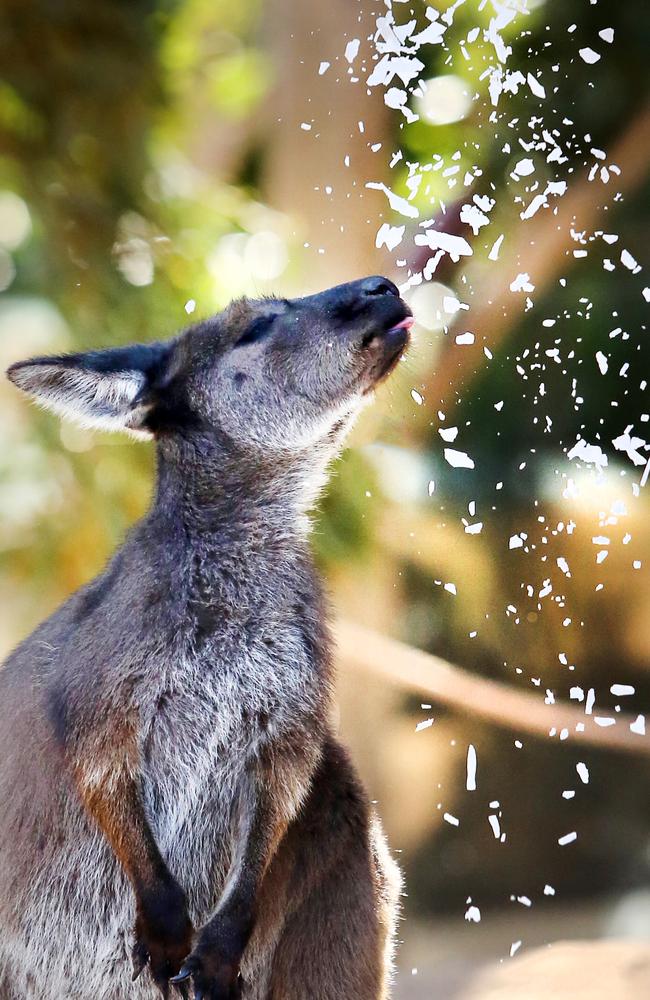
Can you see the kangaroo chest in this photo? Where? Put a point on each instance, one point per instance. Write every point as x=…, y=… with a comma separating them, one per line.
x=214, y=711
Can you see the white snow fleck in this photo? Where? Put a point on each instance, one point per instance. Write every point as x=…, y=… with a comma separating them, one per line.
x=514, y=948
x=455, y=246
x=458, y=459
x=522, y=283
x=638, y=726
x=629, y=262
x=607, y=35
x=448, y=433
x=590, y=453
x=451, y=819
x=621, y=690
x=473, y=914
x=540, y=200
x=536, y=87
x=471, y=768
x=451, y=304
x=568, y=838
x=465, y=338
x=423, y=725
x=323, y=68
x=515, y=542
x=472, y=216
x=496, y=826
x=523, y=168
x=389, y=236
x=352, y=49
x=190, y=306
x=396, y=202
x=583, y=772
x=602, y=362
x=630, y=445
x=589, y=55
x=417, y=398
x=496, y=246
x=450, y=588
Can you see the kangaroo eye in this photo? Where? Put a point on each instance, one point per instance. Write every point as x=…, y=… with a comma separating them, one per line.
x=258, y=329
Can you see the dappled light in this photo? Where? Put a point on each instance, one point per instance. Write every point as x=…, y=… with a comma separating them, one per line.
x=486, y=534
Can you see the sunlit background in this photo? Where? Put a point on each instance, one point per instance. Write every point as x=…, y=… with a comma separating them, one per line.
x=161, y=157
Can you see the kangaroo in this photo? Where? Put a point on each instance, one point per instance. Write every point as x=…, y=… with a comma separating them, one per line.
x=176, y=808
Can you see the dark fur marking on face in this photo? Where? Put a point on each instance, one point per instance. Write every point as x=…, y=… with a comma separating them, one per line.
x=257, y=330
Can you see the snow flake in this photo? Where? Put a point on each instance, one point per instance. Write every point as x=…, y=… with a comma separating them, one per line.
x=458, y=459
x=396, y=202
x=593, y=454
x=389, y=236
x=589, y=55
x=522, y=283
x=631, y=445
x=496, y=246
x=455, y=246
x=471, y=768
x=523, y=168
x=352, y=49
x=638, y=726
x=536, y=87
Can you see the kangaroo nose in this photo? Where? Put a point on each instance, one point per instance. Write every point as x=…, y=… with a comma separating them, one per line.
x=379, y=286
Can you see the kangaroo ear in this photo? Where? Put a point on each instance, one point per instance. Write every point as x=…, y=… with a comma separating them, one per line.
x=103, y=389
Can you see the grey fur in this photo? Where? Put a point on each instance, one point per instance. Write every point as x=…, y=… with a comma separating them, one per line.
x=165, y=736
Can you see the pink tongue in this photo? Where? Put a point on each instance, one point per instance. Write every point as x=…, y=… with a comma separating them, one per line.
x=405, y=324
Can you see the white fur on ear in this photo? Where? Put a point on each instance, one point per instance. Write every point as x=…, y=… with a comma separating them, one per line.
x=100, y=399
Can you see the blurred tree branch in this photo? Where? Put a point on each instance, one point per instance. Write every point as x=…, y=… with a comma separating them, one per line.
x=493, y=701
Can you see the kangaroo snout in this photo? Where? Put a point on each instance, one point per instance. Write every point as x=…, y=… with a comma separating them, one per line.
x=387, y=327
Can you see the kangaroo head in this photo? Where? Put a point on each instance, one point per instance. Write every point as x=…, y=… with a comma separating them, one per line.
x=276, y=375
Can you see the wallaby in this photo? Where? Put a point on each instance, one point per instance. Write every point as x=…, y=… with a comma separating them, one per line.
x=175, y=805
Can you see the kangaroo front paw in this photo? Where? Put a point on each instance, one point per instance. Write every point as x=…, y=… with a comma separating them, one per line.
x=212, y=977
x=163, y=935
